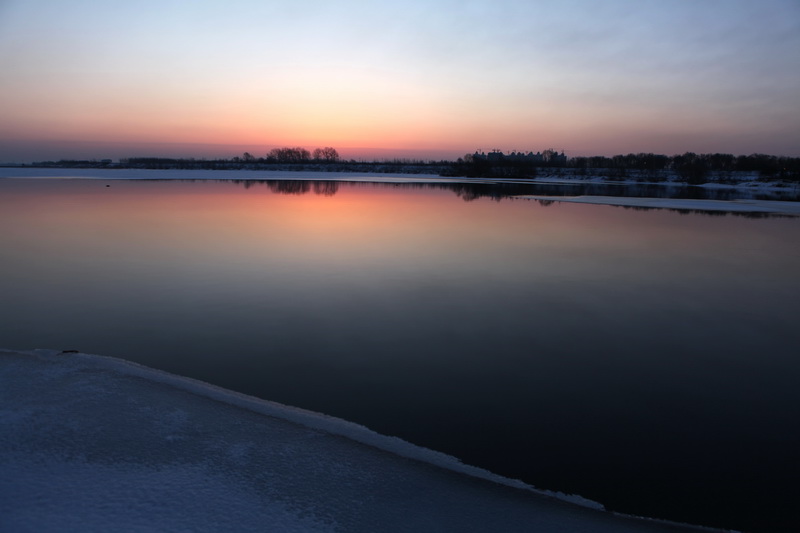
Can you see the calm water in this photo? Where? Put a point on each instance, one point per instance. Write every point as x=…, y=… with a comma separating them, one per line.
x=645, y=359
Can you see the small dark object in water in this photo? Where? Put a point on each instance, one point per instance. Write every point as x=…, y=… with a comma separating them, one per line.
x=70, y=351
x=108, y=185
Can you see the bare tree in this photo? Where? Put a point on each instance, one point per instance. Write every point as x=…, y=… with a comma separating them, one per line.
x=288, y=155
x=327, y=154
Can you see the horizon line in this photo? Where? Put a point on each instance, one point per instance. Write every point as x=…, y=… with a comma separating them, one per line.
x=27, y=151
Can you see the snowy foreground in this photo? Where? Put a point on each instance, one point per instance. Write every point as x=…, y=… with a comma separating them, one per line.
x=90, y=443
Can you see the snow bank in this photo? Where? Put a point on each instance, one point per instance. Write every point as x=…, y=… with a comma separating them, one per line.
x=732, y=206
x=566, y=177
x=92, y=443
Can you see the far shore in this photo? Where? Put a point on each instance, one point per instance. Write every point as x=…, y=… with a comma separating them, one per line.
x=770, y=207
x=409, y=173
x=749, y=183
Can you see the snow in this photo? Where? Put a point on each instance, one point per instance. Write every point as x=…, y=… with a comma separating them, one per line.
x=747, y=182
x=91, y=443
x=772, y=207
x=750, y=181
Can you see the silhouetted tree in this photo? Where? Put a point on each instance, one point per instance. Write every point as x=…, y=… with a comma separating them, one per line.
x=288, y=155
x=691, y=167
x=327, y=154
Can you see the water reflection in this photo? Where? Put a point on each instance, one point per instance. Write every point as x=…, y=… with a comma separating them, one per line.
x=498, y=191
x=324, y=188
x=645, y=360
x=470, y=192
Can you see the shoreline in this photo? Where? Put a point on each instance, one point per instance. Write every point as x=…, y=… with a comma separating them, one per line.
x=748, y=181
x=157, y=413
x=743, y=206
x=767, y=207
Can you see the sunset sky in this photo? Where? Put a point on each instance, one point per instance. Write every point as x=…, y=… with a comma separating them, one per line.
x=419, y=78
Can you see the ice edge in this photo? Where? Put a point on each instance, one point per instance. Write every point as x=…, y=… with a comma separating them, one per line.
x=331, y=425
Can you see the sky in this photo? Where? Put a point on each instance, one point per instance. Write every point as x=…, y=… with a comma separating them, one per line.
x=423, y=79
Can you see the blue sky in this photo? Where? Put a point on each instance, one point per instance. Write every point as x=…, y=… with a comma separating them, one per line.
x=422, y=78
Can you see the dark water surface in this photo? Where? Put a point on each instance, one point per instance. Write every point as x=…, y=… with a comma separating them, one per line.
x=649, y=360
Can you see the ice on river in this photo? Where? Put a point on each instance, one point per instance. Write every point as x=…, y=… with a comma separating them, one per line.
x=734, y=206
x=91, y=443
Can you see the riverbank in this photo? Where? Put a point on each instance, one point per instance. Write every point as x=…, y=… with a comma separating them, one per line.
x=94, y=443
x=766, y=207
x=421, y=173
x=747, y=195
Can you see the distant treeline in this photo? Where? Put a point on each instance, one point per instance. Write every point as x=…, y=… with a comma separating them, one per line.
x=688, y=167
x=696, y=168
x=286, y=159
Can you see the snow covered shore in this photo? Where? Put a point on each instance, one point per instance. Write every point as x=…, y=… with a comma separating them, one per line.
x=733, y=206
x=566, y=176
x=90, y=443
